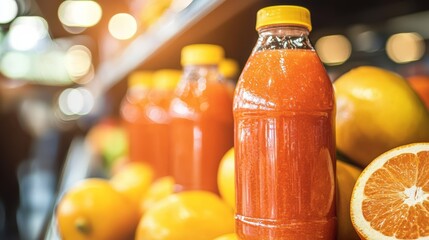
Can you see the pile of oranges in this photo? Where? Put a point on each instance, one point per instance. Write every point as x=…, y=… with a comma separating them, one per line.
x=131, y=205
x=382, y=132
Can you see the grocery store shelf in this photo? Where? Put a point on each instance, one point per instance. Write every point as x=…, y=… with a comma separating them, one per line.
x=171, y=32
x=111, y=71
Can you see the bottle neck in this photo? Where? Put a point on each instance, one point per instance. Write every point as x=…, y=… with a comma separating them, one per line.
x=201, y=72
x=195, y=79
x=283, y=37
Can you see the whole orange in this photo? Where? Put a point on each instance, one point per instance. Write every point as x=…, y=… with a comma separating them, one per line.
x=420, y=84
x=377, y=110
x=189, y=215
x=158, y=190
x=133, y=180
x=93, y=209
x=346, y=179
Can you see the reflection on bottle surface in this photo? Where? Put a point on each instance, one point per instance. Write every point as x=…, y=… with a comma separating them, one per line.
x=286, y=177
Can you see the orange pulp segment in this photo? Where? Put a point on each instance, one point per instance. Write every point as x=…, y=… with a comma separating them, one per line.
x=391, y=197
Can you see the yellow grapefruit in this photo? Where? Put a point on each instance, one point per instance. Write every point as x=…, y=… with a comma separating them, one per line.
x=377, y=110
x=196, y=215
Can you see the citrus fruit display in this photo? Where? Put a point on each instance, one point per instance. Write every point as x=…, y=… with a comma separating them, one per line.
x=196, y=215
x=229, y=236
x=225, y=178
x=108, y=139
x=158, y=190
x=377, y=110
x=420, y=84
x=390, y=198
x=93, y=210
x=346, y=179
x=133, y=180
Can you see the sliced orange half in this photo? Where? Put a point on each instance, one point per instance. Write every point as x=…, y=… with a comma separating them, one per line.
x=391, y=197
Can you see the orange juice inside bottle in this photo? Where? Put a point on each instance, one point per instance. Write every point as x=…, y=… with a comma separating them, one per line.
x=284, y=111
x=139, y=86
x=202, y=122
x=157, y=119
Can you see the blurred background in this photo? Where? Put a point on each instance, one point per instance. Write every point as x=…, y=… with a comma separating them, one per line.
x=64, y=65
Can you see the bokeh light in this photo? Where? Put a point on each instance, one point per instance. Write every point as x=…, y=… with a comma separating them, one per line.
x=78, y=61
x=49, y=68
x=83, y=13
x=15, y=65
x=405, y=47
x=76, y=101
x=26, y=32
x=333, y=49
x=122, y=26
x=8, y=10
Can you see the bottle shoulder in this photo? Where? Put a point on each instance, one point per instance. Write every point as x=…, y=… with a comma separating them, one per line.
x=279, y=79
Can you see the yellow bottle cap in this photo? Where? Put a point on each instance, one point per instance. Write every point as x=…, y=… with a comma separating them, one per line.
x=202, y=54
x=140, y=78
x=228, y=68
x=284, y=14
x=166, y=78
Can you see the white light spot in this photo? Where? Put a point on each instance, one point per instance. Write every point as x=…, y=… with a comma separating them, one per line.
x=77, y=101
x=122, y=26
x=334, y=49
x=8, y=10
x=26, y=32
x=81, y=13
x=405, y=47
x=15, y=65
x=78, y=61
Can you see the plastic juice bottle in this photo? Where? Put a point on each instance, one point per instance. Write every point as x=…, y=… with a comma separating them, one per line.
x=139, y=86
x=202, y=123
x=284, y=111
x=157, y=117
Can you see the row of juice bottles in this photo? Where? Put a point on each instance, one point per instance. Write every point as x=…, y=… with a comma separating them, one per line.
x=280, y=120
x=180, y=122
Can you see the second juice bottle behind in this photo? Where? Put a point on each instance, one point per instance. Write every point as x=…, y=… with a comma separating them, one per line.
x=145, y=114
x=201, y=119
x=158, y=121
